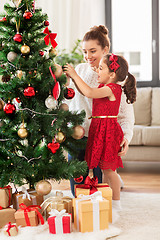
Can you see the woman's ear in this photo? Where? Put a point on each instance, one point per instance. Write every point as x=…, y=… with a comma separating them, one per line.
x=105, y=50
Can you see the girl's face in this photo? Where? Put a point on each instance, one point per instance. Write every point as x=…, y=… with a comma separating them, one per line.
x=104, y=74
x=93, y=52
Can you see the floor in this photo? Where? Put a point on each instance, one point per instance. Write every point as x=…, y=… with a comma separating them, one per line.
x=133, y=182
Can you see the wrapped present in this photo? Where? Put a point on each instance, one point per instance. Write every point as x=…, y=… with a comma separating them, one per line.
x=65, y=199
x=54, y=202
x=90, y=186
x=5, y=196
x=59, y=222
x=27, y=197
x=10, y=229
x=91, y=212
x=7, y=215
x=28, y=216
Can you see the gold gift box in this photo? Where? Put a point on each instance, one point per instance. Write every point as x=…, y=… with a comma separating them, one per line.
x=5, y=197
x=17, y=199
x=6, y=216
x=21, y=221
x=13, y=231
x=85, y=215
x=106, y=193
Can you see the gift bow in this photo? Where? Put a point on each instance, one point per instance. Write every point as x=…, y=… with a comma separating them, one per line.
x=97, y=196
x=9, y=188
x=91, y=183
x=56, y=213
x=50, y=37
x=9, y=226
x=114, y=65
x=26, y=209
x=56, y=89
x=26, y=194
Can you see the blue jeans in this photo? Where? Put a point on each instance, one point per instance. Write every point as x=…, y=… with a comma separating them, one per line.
x=96, y=171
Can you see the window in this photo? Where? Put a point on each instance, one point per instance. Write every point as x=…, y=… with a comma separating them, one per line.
x=134, y=34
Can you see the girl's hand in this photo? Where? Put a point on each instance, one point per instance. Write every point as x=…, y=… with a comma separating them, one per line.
x=124, y=145
x=70, y=71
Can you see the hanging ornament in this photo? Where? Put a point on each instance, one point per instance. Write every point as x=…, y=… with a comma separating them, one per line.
x=19, y=74
x=43, y=187
x=50, y=102
x=67, y=82
x=18, y=100
x=79, y=179
x=52, y=52
x=78, y=132
x=25, y=50
x=27, y=15
x=17, y=37
x=29, y=92
x=59, y=71
x=64, y=107
x=60, y=137
x=9, y=108
x=6, y=78
x=4, y=19
x=22, y=132
x=41, y=53
x=11, y=56
x=50, y=37
x=17, y=2
x=1, y=104
x=53, y=146
x=46, y=23
x=56, y=89
x=69, y=93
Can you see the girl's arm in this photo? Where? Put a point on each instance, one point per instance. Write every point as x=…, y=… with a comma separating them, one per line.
x=84, y=88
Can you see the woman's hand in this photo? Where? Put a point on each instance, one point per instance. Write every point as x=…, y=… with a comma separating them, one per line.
x=70, y=71
x=124, y=146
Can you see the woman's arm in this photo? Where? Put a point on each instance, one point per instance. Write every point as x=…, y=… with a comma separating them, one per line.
x=84, y=88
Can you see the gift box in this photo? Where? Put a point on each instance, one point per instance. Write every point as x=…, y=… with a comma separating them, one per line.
x=53, y=203
x=28, y=216
x=91, y=213
x=65, y=199
x=27, y=197
x=5, y=196
x=90, y=186
x=59, y=222
x=10, y=229
x=7, y=215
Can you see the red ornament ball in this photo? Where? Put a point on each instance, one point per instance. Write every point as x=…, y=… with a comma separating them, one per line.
x=46, y=23
x=27, y=15
x=29, y=92
x=41, y=53
x=53, y=147
x=79, y=179
x=9, y=108
x=4, y=19
x=69, y=93
x=17, y=37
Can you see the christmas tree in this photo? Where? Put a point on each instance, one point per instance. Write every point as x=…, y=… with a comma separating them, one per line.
x=36, y=127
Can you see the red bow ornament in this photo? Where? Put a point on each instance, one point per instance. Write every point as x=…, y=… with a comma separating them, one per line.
x=56, y=89
x=53, y=146
x=114, y=65
x=50, y=37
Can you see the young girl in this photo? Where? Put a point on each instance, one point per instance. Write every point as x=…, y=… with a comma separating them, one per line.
x=105, y=133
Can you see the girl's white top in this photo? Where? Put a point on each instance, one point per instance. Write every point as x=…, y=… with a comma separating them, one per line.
x=80, y=102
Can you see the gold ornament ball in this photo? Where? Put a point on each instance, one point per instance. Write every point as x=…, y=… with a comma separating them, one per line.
x=78, y=132
x=25, y=50
x=43, y=187
x=60, y=137
x=22, y=132
x=19, y=74
x=58, y=72
x=64, y=107
x=52, y=52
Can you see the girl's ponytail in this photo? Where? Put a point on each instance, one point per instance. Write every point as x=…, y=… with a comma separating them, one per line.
x=130, y=88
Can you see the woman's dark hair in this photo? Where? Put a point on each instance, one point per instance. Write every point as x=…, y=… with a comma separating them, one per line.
x=99, y=33
x=123, y=74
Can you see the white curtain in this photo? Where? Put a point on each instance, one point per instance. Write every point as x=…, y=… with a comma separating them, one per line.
x=70, y=19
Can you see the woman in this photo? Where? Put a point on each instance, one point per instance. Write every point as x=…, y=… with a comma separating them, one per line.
x=95, y=45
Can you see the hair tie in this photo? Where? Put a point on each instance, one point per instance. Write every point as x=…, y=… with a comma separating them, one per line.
x=114, y=65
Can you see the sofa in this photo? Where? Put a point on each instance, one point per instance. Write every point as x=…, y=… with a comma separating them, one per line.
x=145, y=143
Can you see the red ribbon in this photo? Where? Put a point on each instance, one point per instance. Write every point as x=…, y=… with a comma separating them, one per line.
x=56, y=89
x=91, y=184
x=114, y=65
x=9, y=192
x=9, y=226
x=26, y=209
x=50, y=37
